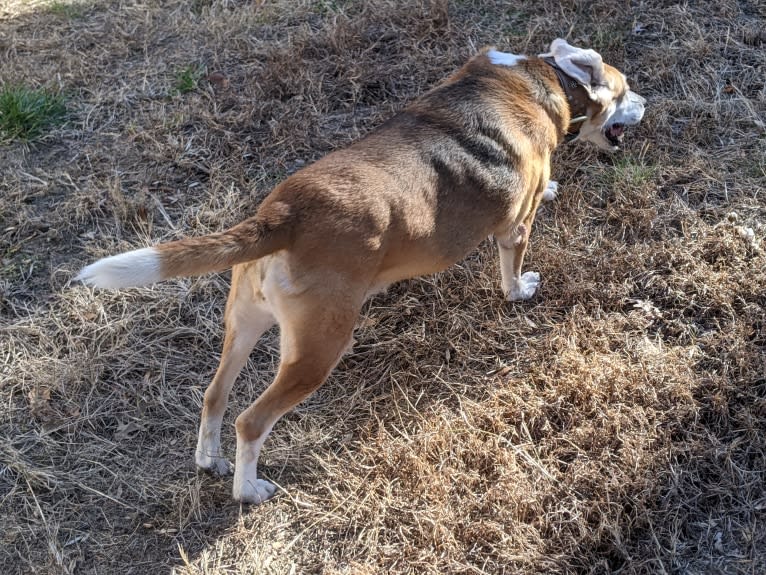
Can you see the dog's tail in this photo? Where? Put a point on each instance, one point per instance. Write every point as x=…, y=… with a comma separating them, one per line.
x=265, y=233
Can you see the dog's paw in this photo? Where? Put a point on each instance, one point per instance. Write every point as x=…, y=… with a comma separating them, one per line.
x=550, y=192
x=255, y=492
x=215, y=465
x=525, y=288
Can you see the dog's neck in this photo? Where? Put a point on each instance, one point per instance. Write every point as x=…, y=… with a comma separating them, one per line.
x=577, y=99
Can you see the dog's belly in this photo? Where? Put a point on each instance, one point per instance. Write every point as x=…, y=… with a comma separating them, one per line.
x=425, y=256
x=408, y=269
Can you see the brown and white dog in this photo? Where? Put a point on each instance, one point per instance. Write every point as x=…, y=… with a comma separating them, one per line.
x=469, y=159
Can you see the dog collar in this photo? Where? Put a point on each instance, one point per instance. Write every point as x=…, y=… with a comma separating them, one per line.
x=577, y=99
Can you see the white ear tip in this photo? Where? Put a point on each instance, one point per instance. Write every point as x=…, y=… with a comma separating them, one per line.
x=558, y=43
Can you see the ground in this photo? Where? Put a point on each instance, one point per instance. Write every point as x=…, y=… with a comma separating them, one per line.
x=616, y=423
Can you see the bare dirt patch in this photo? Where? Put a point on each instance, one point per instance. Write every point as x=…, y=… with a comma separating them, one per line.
x=614, y=424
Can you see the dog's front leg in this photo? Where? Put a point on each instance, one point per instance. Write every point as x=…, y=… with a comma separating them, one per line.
x=512, y=247
x=551, y=191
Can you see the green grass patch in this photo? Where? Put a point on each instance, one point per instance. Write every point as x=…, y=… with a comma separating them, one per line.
x=26, y=113
x=327, y=7
x=186, y=79
x=630, y=171
x=65, y=9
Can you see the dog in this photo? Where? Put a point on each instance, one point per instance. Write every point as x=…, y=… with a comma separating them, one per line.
x=467, y=160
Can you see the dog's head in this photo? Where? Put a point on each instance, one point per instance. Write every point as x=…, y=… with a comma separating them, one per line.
x=612, y=105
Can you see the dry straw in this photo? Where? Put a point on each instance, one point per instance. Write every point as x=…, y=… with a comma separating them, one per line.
x=614, y=424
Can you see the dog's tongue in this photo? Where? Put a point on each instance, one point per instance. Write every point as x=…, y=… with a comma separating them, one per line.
x=617, y=130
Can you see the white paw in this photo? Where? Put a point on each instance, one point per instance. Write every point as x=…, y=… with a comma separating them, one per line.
x=525, y=287
x=549, y=194
x=216, y=465
x=247, y=487
x=256, y=491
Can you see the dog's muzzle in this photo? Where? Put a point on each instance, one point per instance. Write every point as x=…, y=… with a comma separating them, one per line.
x=629, y=112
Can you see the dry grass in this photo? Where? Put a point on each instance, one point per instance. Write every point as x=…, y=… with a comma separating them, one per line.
x=615, y=424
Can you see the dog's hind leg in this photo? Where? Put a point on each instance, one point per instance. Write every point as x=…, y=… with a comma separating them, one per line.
x=315, y=331
x=247, y=317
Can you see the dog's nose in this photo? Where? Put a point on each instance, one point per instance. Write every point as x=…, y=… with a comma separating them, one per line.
x=636, y=98
x=637, y=104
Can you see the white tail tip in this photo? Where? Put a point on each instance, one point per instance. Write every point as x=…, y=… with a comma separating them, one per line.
x=136, y=268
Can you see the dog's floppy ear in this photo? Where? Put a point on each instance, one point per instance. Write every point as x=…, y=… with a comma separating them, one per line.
x=585, y=66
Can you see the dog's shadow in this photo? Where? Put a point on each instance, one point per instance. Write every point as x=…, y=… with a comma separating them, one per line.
x=406, y=340
x=429, y=353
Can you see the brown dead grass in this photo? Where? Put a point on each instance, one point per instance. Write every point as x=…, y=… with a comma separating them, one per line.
x=615, y=424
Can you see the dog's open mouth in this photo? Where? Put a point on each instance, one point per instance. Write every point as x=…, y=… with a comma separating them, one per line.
x=614, y=133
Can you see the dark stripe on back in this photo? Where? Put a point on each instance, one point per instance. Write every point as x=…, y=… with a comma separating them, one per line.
x=469, y=148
